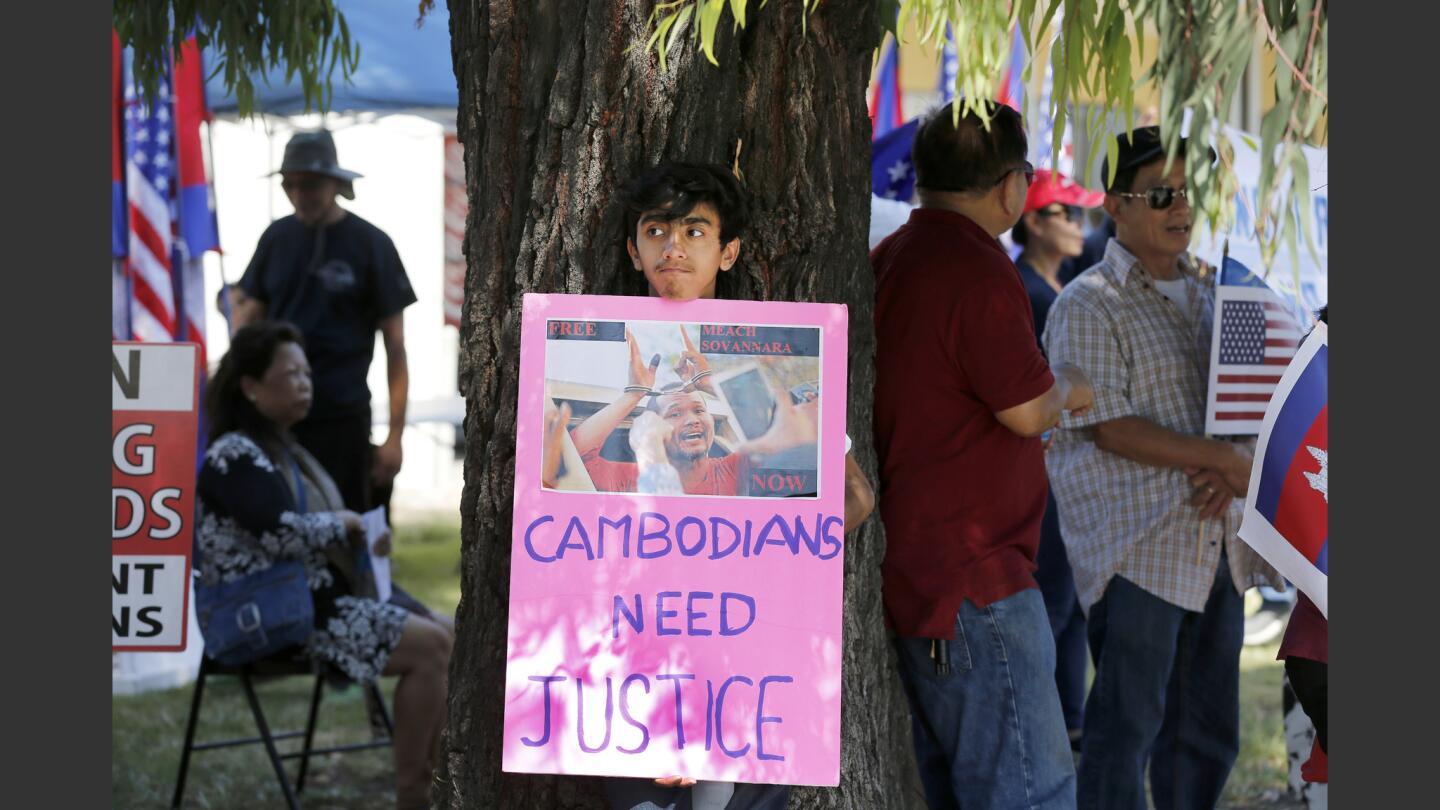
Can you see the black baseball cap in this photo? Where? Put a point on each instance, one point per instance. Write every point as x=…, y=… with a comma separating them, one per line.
x=1137, y=148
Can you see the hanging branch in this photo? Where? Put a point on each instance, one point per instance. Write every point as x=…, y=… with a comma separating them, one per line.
x=1205, y=48
x=309, y=38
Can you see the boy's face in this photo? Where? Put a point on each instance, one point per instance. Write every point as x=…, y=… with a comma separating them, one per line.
x=681, y=258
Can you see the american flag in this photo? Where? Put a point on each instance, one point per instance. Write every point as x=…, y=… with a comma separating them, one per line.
x=1254, y=339
x=162, y=206
x=150, y=192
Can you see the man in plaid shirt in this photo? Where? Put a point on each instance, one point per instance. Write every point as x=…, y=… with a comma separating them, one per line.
x=1148, y=504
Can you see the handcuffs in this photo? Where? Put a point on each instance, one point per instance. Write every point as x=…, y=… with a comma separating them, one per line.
x=690, y=385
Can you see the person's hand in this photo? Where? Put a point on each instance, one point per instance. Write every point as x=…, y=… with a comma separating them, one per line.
x=388, y=458
x=791, y=426
x=1212, y=494
x=675, y=781
x=553, y=445
x=382, y=544
x=640, y=374
x=1082, y=392
x=354, y=525
x=691, y=364
x=1236, y=469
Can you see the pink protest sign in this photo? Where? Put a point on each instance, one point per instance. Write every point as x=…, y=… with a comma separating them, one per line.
x=678, y=547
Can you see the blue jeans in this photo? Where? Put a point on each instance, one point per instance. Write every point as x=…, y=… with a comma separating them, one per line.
x=1167, y=689
x=990, y=734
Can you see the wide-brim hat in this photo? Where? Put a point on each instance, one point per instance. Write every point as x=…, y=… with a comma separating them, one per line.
x=1052, y=187
x=314, y=153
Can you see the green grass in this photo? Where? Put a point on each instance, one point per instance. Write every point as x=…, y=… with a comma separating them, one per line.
x=427, y=563
x=147, y=730
x=1260, y=775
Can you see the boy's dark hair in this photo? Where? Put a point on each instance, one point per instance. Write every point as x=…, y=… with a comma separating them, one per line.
x=678, y=187
x=967, y=157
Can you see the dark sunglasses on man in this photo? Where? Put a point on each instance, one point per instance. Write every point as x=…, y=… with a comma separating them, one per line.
x=1023, y=167
x=1074, y=213
x=1158, y=198
x=304, y=184
x=1027, y=169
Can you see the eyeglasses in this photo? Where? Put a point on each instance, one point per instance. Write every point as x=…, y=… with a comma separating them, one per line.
x=1159, y=197
x=1074, y=213
x=1023, y=167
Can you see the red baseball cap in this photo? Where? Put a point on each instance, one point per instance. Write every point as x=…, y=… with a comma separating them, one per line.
x=1053, y=187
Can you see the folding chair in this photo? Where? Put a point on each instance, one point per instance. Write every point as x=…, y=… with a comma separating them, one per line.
x=292, y=662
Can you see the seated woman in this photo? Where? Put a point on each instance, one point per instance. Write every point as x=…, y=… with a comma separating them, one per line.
x=262, y=499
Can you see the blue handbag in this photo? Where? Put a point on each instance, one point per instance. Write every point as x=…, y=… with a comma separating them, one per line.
x=259, y=614
x=256, y=616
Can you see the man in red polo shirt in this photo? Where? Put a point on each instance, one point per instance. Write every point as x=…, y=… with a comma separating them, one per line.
x=962, y=394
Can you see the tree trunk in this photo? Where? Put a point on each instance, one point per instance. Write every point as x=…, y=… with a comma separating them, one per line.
x=554, y=114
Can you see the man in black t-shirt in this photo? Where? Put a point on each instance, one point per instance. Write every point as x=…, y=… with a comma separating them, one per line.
x=339, y=279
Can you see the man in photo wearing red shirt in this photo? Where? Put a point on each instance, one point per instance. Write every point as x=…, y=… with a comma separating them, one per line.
x=678, y=430
x=961, y=397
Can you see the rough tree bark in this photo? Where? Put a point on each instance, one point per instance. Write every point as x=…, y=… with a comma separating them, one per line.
x=554, y=114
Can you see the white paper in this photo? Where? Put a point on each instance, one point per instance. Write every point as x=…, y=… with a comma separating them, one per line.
x=375, y=528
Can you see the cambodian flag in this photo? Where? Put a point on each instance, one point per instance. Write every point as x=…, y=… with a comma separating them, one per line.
x=119, y=230
x=885, y=112
x=196, y=230
x=1287, y=510
x=197, y=210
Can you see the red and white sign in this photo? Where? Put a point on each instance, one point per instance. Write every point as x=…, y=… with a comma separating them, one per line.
x=154, y=422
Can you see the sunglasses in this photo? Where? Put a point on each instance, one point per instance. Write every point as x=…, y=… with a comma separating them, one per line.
x=1158, y=198
x=1074, y=213
x=308, y=184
